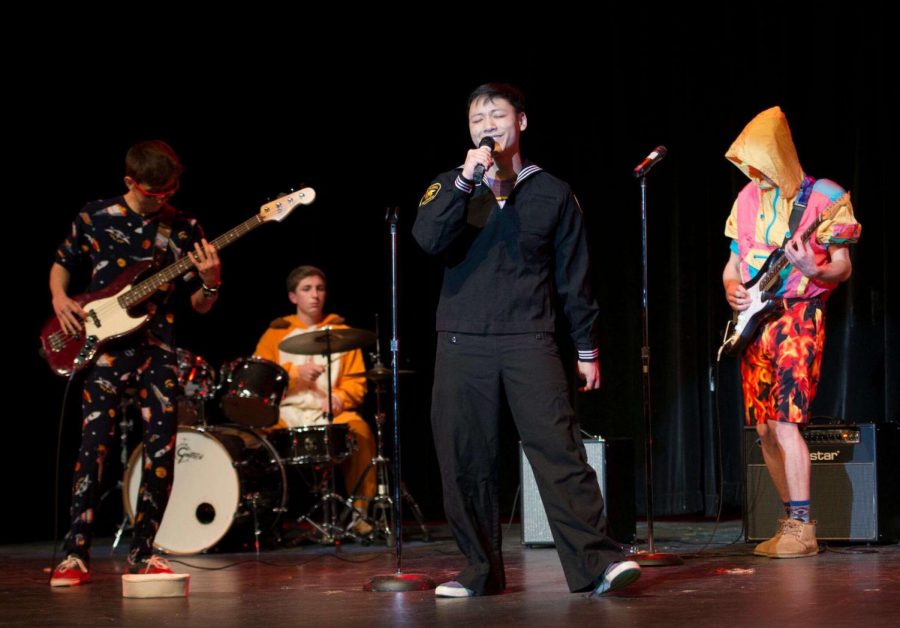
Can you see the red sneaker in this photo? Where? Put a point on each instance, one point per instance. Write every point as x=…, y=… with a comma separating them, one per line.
x=70, y=573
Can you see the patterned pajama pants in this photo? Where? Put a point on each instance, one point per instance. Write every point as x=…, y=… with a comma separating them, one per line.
x=150, y=370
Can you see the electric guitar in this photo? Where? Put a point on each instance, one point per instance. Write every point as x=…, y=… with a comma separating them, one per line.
x=111, y=310
x=762, y=289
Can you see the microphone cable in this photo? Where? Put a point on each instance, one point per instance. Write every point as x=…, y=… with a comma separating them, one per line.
x=720, y=462
x=56, y=468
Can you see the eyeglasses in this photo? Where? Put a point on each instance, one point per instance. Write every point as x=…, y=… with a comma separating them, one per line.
x=158, y=195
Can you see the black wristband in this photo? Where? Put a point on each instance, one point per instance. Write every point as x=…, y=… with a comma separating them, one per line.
x=210, y=292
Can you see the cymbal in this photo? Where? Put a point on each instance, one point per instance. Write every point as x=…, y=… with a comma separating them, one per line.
x=319, y=342
x=379, y=373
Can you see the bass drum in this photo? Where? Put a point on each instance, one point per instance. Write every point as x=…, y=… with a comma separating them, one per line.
x=225, y=478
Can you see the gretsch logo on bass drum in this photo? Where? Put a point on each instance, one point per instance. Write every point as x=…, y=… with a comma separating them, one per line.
x=184, y=452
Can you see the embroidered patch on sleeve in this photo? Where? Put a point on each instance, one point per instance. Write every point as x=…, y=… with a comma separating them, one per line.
x=430, y=194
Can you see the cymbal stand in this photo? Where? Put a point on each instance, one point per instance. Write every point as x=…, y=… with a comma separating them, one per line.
x=382, y=505
x=329, y=500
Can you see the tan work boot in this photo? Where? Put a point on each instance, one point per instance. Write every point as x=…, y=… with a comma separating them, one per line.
x=765, y=547
x=797, y=540
x=362, y=527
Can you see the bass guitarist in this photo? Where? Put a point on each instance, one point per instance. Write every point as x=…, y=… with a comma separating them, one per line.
x=780, y=364
x=109, y=237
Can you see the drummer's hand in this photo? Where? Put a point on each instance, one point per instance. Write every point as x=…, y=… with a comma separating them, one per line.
x=309, y=372
x=337, y=406
x=294, y=384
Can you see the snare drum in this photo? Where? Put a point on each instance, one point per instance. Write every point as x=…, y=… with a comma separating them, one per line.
x=313, y=445
x=253, y=388
x=225, y=479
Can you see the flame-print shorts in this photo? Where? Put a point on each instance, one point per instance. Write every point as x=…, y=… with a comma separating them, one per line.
x=780, y=368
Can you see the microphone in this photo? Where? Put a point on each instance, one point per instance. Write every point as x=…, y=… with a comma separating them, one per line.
x=488, y=141
x=649, y=161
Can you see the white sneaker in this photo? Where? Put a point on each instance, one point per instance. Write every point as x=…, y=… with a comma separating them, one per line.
x=453, y=589
x=155, y=578
x=618, y=575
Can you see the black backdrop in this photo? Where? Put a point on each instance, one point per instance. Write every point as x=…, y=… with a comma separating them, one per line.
x=367, y=117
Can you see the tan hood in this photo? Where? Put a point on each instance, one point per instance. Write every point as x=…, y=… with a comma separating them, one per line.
x=766, y=144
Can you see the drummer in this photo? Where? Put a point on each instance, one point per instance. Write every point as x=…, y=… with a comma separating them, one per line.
x=305, y=402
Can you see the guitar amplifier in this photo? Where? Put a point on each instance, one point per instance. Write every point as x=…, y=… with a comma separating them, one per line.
x=617, y=489
x=853, y=488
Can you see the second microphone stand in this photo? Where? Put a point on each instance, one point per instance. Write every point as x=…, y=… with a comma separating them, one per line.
x=650, y=558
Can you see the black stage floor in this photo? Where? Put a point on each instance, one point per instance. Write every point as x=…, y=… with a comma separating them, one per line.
x=721, y=584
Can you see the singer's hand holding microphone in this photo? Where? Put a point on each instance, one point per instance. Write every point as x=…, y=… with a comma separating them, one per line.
x=478, y=160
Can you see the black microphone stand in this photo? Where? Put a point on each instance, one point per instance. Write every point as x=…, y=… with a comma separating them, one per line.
x=650, y=558
x=398, y=581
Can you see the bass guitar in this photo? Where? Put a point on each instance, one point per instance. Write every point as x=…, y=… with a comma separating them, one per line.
x=112, y=312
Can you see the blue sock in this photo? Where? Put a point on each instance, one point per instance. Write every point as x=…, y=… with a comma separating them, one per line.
x=799, y=510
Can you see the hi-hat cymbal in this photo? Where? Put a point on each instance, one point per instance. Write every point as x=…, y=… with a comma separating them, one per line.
x=379, y=373
x=325, y=340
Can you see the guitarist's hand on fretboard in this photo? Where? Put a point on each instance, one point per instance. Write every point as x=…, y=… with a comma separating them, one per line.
x=206, y=260
x=802, y=257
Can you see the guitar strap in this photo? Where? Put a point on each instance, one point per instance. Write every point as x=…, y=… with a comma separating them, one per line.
x=163, y=235
x=799, y=207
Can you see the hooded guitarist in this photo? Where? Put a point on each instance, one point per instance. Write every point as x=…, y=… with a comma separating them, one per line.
x=780, y=364
x=111, y=237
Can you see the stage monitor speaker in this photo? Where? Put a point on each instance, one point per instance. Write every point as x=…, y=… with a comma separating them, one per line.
x=616, y=488
x=853, y=487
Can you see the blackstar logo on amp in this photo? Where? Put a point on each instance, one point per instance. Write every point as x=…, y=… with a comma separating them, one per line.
x=827, y=456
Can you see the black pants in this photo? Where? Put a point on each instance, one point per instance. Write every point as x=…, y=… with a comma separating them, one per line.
x=469, y=373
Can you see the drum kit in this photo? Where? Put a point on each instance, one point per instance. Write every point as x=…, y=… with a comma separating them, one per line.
x=232, y=477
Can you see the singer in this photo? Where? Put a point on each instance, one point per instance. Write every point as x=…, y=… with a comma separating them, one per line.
x=780, y=367
x=511, y=247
